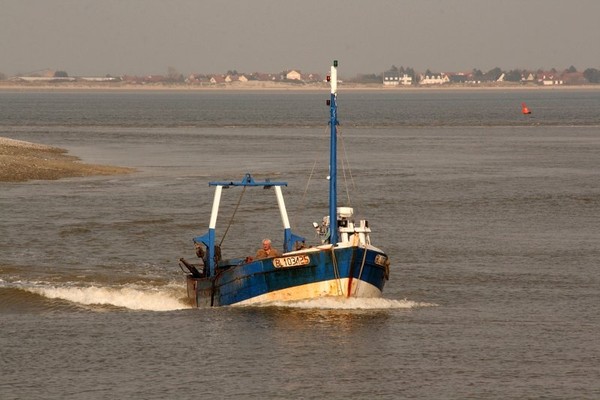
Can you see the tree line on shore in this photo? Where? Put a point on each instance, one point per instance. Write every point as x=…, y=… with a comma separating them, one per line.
x=590, y=75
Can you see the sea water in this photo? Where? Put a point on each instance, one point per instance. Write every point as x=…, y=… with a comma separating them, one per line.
x=490, y=219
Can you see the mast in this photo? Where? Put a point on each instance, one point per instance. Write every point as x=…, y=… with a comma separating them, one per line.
x=333, y=156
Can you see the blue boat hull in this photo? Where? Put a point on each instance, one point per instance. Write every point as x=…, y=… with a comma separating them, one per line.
x=342, y=272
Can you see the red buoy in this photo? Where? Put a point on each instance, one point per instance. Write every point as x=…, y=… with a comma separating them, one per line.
x=524, y=109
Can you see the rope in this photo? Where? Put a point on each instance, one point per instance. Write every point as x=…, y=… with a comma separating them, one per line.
x=362, y=266
x=232, y=216
x=303, y=199
x=302, y=205
x=336, y=273
x=308, y=181
x=358, y=200
x=346, y=162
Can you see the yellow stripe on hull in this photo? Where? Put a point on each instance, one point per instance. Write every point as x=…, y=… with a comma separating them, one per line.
x=330, y=288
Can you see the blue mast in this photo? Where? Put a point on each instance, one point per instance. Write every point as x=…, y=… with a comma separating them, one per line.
x=333, y=156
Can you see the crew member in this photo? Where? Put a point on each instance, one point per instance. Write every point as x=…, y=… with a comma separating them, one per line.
x=267, y=251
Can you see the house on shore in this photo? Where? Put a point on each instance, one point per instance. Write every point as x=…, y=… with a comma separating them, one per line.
x=460, y=77
x=438, y=79
x=217, y=79
x=549, y=79
x=393, y=78
x=293, y=75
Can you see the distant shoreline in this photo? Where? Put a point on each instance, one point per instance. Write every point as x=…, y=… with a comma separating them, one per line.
x=272, y=86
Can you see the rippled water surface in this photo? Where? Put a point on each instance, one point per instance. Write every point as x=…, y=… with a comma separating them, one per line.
x=491, y=220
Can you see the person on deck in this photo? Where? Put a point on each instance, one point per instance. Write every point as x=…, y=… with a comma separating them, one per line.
x=267, y=251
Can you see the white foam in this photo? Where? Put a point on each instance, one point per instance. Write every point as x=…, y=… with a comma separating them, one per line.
x=149, y=299
x=170, y=298
x=345, y=303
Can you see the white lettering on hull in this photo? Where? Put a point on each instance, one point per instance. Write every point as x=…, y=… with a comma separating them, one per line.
x=291, y=261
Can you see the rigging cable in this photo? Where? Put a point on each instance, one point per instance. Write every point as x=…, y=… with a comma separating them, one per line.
x=357, y=198
x=362, y=266
x=336, y=272
x=232, y=216
x=346, y=164
x=303, y=199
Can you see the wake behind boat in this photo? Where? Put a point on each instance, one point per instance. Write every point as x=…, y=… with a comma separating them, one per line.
x=344, y=264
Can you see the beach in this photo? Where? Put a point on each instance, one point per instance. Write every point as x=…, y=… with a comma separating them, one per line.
x=22, y=161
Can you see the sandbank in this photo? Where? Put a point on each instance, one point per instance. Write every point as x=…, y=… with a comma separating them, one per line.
x=22, y=161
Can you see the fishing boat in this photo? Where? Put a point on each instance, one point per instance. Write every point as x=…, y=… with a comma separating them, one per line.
x=344, y=264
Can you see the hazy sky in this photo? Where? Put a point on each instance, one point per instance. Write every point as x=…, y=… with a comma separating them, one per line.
x=98, y=37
